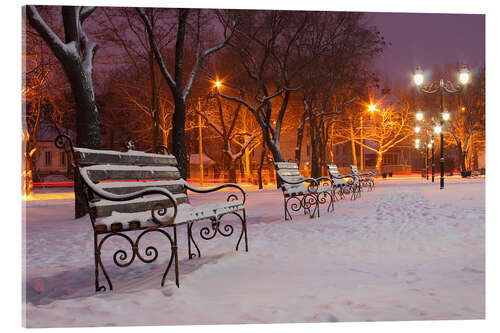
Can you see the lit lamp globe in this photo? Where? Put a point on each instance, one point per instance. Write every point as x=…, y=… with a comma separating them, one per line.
x=420, y=115
x=418, y=76
x=437, y=129
x=446, y=115
x=417, y=129
x=218, y=84
x=463, y=76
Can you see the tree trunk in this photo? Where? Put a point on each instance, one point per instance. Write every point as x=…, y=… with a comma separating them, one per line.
x=248, y=170
x=179, y=136
x=379, y=162
x=300, y=136
x=232, y=171
x=154, y=103
x=261, y=164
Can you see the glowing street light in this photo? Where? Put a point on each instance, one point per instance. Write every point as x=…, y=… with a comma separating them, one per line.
x=218, y=84
x=441, y=87
x=463, y=76
x=418, y=76
x=446, y=115
x=372, y=107
x=419, y=115
x=417, y=129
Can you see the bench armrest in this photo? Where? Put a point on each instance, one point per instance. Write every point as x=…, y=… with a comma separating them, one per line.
x=312, y=187
x=309, y=180
x=216, y=188
x=158, y=208
x=343, y=176
x=323, y=178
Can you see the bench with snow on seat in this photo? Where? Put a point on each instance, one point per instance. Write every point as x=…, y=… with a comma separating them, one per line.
x=296, y=196
x=366, y=179
x=342, y=186
x=133, y=194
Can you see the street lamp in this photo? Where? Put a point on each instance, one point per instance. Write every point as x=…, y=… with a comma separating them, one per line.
x=429, y=144
x=441, y=86
x=446, y=115
x=372, y=108
x=420, y=115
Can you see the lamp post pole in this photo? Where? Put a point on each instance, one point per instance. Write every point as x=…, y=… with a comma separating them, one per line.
x=427, y=156
x=362, y=153
x=441, y=87
x=432, y=158
x=441, y=123
x=200, y=137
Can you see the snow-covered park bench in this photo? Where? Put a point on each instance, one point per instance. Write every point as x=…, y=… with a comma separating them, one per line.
x=296, y=196
x=366, y=179
x=341, y=185
x=132, y=194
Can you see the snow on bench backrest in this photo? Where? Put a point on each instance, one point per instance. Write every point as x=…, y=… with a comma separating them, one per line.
x=333, y=170
x=128, y=172
x=289, y=172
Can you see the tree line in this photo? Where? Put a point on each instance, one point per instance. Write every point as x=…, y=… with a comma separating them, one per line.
x=148, y=74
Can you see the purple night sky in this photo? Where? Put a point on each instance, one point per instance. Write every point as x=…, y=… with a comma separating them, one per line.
x=428, y=39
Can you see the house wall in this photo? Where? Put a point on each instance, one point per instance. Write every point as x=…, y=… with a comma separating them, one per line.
x=50, y=160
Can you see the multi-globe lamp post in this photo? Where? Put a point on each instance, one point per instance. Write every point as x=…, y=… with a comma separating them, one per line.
x=441, y=87
x=429, y=131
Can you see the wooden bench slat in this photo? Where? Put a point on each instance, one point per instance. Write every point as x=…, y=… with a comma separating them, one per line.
x=99, y=173
x=174, y=186
x=286, y=165
x=91, y=156
x=102, y=207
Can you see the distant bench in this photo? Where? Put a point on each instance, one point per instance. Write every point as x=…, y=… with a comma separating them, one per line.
x=343, y=184
x=296, y=196
x=366, y=179
x=138, y=191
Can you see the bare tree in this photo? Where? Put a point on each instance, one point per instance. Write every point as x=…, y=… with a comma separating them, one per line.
x=267, y=44
x=467, y=123
x=76, y=55
x=122, y=29
x=223, y=119
x=179, y=90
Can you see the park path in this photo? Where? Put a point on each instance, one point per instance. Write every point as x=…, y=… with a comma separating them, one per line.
x=406, y=251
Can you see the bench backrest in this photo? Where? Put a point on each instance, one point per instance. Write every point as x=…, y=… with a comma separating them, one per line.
x=333, y=170
x=354, y=170
x=128, y=172
x=289, y=171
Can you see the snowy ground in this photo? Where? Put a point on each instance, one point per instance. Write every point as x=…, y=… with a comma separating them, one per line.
x=407, y=251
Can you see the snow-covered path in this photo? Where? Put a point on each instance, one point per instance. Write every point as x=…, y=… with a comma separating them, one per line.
x=406, y=251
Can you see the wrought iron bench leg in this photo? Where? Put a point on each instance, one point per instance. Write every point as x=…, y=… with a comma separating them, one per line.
x=191, y=239
x=175, y=248
x=122, y=259
x=285, y=205
x=243, y=230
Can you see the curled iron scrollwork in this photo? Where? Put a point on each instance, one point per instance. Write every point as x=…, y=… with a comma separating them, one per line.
x=122, y=258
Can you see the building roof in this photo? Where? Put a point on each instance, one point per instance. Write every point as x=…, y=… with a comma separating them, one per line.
x=195, y=159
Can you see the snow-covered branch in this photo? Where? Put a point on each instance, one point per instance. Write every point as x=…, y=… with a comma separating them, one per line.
x=149, y=28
